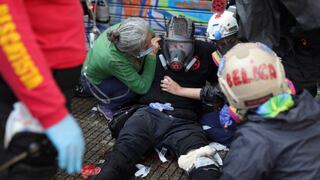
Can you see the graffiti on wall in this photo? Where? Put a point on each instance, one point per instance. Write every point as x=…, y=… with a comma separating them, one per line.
x=158, y=11
x=194, y=4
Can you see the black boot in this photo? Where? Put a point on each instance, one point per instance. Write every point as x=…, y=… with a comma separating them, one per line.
x=210, y=172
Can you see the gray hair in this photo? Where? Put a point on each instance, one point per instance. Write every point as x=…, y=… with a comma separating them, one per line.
x=130, y=36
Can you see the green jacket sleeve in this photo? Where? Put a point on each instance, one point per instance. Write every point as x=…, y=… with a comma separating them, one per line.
x=140, y=84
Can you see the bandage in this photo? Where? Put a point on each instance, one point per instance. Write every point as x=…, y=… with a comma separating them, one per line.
x=187, y=161
x=204, y=156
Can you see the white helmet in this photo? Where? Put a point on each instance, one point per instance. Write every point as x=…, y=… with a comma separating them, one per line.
x=250, y=74
x=222, y=25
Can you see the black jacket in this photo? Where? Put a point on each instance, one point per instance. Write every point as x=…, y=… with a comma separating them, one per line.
x=265, y=20
x=291, y=29
x=203, y=70
x=287, y=147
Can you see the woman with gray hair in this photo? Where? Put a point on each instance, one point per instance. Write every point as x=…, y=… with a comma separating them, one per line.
x=121, y=64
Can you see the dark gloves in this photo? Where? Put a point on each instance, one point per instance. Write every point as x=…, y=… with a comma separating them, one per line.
x=212, y=95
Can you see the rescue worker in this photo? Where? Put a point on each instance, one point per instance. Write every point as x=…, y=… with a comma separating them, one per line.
x=222, y=31
x=279, y=134
x=120, y=65
x=42, y=45
x=293, y=35
x=169, y=121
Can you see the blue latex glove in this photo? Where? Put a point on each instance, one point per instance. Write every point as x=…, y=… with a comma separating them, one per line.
x=67, y=138
x=161, y=106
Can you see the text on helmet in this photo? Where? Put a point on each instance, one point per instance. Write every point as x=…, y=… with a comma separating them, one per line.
x=240, y=76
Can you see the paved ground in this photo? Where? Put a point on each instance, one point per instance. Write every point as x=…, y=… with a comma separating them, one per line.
x=98, y=141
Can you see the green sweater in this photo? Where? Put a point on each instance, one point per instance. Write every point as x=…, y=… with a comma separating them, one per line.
x=104, y=60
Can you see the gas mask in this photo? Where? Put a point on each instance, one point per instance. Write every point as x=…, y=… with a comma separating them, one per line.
x=178, y=45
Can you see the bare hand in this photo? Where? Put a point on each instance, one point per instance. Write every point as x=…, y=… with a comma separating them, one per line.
x=170, y=86
x=155, y=45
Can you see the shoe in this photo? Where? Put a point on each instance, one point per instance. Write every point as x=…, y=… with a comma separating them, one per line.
x=105, y=111
x=80, y=92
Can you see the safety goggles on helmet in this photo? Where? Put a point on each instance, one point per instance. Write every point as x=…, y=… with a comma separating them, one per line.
x=178, y=45
x=250, y=74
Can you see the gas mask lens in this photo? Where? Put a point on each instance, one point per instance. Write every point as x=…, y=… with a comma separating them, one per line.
x=184, y=47
x=178, y=44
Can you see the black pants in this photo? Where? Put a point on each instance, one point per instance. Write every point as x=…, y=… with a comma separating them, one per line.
x=146, y=129
x=66, y=80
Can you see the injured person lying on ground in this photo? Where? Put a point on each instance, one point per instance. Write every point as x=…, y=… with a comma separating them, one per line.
x=218, y=125
x=167, y=120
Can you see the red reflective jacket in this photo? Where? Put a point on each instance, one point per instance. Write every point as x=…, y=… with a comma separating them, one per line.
x=36, y=36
